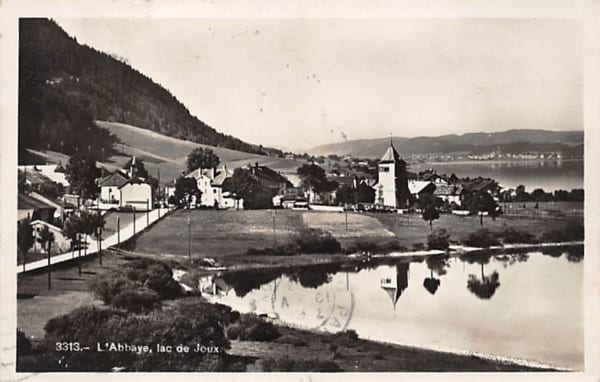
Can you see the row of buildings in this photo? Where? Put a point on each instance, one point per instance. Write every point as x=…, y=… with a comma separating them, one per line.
x=394, y=187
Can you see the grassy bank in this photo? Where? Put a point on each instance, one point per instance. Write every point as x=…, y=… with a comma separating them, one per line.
x=251, y=237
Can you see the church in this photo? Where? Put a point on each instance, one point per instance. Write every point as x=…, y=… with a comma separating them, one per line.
x=391, y=189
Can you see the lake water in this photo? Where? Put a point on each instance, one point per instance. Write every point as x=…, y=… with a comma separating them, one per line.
x=549, y=175
x=525, y=306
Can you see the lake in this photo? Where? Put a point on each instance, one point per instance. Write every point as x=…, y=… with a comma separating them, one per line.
x=525, y=306
x=549, y=175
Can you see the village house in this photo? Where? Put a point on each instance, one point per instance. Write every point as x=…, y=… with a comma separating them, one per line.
x=60, y=244
x=418, y=188
x=33, y=209
x=124, y=189
x=210, y=183
x=450, y=193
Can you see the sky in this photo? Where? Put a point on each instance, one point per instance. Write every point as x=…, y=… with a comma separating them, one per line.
x=298, y=83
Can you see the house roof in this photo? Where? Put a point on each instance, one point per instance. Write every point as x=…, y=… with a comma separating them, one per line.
x=390, y=155
x=26, y=202
x=113, y=180
x=479, y=185
x=37, y=174
x=200, y=172
x=448, y=189
x=220, y=177
x=417, y=186
x=342, y=180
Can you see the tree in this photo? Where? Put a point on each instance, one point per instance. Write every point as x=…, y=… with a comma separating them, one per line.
x=52, y=189
x=185, y=190
x=344, y=194
x=73, y=228
x=202, y=158
x=139, y=169
x=438, y=239
x=481, y=202
x=244, y=185
x=46, y=238
x=81, y=172
x=95, y=224
x=312, y=175
x=24, y=238
x=430, y=213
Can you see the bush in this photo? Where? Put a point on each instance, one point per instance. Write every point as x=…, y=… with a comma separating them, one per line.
x=301, y=365
x=107, y=286
x=90, y=325
x=438, y=239
x=512, y=235
x=292, y=340
x=349, y=334
x=137, y=300
x=418, y=246
x=573, y=231
x=483, y=238
x=23, y=344
x=253, y=328
x=138, y=275
x=233, y=331
x=312, y=240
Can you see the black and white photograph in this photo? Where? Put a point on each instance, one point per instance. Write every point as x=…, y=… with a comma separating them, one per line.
x=302, y=194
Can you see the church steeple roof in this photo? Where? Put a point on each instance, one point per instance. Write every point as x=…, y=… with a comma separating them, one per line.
x=391, y=155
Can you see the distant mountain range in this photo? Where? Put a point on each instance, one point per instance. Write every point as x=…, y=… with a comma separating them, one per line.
x=64, y=86
x=506, y=141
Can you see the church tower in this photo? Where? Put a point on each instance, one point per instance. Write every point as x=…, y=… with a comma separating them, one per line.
x=392, y=187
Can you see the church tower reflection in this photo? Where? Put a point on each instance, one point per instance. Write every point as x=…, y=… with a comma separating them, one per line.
x=395, y=281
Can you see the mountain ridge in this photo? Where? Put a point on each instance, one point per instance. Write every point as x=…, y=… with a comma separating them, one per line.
x=449, y=143
x=64, y=86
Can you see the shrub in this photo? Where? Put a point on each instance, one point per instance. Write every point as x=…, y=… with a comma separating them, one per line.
x=23, y=344
x=253, y=328
x=233, y=331
x=137, y=300
x=312, y=240
x=512, y=235
x=418, y=246
x=107, y=286
x=292, y=340
x=304, y=365
x=349, y=334
x=438, y=239
x=572, y=231
x=483, y=237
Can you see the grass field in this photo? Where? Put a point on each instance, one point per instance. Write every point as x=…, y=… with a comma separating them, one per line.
x=169, y=154
x=219, y=233
x=36, y=304
x=411, y=228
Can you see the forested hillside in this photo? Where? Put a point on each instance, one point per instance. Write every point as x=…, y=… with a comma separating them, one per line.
x=65, y=86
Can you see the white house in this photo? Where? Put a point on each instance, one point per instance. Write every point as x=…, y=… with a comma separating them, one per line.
x=210, y=183
x=136, y=193
x=116, y=190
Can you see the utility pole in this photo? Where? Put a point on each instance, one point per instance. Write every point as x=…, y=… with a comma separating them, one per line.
x=346, y=213
x=118, y=230
x=147, y=212
x=274, y=230
x=189, y=239
x=79, y=252
x=134, y=220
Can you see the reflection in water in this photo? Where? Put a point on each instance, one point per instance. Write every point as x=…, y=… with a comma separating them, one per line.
x=439, y=265
x=485, y=287
x=333, y=298
x=395, y=282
